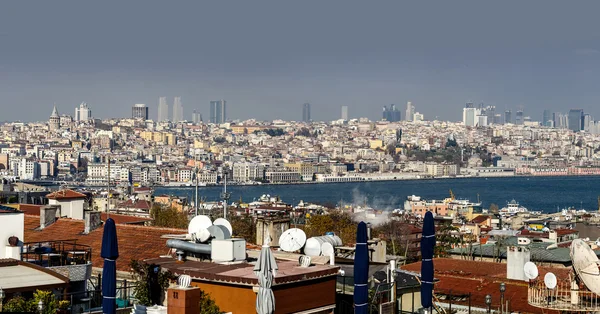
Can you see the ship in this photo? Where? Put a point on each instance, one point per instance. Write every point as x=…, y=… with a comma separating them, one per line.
x=448, y=207
x=513, y=208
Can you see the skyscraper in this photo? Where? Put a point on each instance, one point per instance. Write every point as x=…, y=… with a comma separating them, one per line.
x=163, y=109
x=218, y=111
x=546, y=118
x=177, y=109
x=507, y=116
x=306, y=112
x=196, y=117
x=410, y=111
x=519, y=117
x=345, y=113
x=575, y=119
x=588, y=121
x=391, y=114
x=83, y=113
x=470, y=115
x=139, y=111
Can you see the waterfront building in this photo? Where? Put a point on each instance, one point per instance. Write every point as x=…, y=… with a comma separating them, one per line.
x=83, y=113
x=163, y=109
x=218, y=111
x=139, y=111
x=306, y=112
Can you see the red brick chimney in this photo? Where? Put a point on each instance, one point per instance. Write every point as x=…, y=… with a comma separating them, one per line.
x=183, y=300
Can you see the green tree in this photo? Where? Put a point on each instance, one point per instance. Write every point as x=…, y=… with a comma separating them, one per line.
x=243, y=226
x=207, y=304
x=445, y=240
x=141, y=273
x=51, y=304
x=168, y=217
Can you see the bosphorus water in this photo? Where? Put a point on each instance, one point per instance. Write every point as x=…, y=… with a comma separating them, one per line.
x=547, y=194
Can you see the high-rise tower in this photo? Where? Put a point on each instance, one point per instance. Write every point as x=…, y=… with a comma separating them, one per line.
x=345, y=113
x=177, y=109
x=139, y=111
x=218, y=111
x=163, y=109
x=306, y=112
x=410, y=111
x=83, y=113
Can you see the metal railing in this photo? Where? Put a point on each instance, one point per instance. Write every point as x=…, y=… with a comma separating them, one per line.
x=56, y=253
x=564, y=297
x=91, y=300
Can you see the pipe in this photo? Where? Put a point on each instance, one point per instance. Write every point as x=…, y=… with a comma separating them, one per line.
x=189, y=246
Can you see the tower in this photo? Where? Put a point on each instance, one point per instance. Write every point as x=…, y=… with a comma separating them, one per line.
x=139, y=111
x=410, y=111
x=163, y=109
x=177, y=109
x=306, y=112
x=83, y=113
x=54, y=121
x=345, y=113
x=218, y=111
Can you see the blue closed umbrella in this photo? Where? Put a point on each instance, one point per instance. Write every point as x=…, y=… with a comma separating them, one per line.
x=427, y=247
x=110, y=253
x=361, y=271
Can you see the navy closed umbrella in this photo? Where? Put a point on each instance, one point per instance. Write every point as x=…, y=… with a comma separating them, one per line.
x=361, y=271
x=427, y=247
x=110, y=253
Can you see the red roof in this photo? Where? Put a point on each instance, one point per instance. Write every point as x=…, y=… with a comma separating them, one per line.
x=135, y=242
x=124, y=219
x=563, y=231
x=482, y=278
x=65, y=194
x=479, y=219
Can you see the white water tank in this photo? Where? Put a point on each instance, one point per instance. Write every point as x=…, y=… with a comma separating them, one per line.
x=228, y=250
x=314, y=245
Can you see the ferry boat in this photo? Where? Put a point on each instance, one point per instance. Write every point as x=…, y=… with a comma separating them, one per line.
x=449, y=207
x=513, y=208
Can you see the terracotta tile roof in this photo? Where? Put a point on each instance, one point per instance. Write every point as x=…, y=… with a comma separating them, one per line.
x=563, y=231
x=139, y=242
x=65, y=194
x=138, y=204
x=479, y=219
x=124, y=219
x=482, y=278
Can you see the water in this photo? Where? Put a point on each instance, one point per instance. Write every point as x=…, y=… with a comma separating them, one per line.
x=535, y=193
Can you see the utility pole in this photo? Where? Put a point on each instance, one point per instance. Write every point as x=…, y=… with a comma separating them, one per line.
x=196, y=201
x=225, y=195
x=108, y=188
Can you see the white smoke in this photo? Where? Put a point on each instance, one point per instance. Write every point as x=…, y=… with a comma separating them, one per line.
x=381, y=204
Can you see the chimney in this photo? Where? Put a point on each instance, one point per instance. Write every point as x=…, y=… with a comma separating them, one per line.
x=183, y=300
x=48, y=215
x=92, y=221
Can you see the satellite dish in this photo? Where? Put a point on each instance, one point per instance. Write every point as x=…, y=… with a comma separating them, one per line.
x=585, y=263
x=198, y=228
x=531, y=271
x=223, y=222
x=219, y=232
x=550, y=280
x=292, y=240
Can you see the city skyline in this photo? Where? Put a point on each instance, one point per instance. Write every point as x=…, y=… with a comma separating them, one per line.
x=550, y=64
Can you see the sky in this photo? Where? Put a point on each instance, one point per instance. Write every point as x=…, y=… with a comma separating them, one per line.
x=267, y=58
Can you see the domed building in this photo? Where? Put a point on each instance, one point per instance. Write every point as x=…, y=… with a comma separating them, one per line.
x=54, y=121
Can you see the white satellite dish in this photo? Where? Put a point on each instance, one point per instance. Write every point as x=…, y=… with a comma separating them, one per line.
x=550, y=280
x=198, y=228
x=585, y=263
x=531, y=271
x=219, y=232
x=292, y=240
x=225, y=223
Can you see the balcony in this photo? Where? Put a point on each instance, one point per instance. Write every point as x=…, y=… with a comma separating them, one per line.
x=565, y=297
x=56, y=253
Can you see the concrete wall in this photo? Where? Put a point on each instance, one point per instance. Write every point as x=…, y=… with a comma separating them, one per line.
x=11, y=224
x=70, y=208
x=272, y=227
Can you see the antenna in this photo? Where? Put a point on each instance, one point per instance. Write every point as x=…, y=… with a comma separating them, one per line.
x=550, y=280
x=530, y=270
x=292, y=240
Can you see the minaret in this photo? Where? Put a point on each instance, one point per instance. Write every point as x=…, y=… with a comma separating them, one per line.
x=54, y=121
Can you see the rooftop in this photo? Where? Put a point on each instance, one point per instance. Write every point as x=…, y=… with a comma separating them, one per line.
x=243, y=274
x=65, y=195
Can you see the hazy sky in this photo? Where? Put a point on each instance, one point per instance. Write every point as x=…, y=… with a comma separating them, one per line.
x=266, y=58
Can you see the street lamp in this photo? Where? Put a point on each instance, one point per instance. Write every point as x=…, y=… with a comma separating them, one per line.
x=502, y=290
x=1, y=298
x=40, y=306
x=488, y=302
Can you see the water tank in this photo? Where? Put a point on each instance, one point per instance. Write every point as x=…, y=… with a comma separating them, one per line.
x=228, y=250
x=314, y=245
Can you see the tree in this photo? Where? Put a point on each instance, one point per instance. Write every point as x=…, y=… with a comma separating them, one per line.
x=51, y=304
x=445, y=240
x=243, y=227
x=142, y=273
x=304, y=132
x=339, y=222
x=168, y=217
x=207, y=304
x=219, y=140
x=494, y=208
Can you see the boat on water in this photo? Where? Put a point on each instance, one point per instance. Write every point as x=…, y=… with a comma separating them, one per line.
x=449, y=207
x=514, y=208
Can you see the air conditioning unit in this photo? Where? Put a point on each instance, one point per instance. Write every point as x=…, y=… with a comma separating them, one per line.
x=229, y=250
